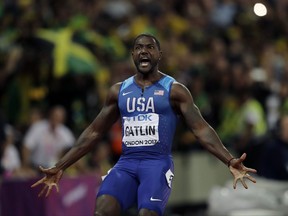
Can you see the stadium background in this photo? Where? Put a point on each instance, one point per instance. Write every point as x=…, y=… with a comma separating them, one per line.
x=69, y=52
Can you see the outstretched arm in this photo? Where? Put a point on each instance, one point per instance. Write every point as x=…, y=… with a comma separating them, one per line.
x=94, y=132
x=183, y=104
x=86, y=141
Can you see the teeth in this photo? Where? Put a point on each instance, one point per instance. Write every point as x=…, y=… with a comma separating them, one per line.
x=144, y=64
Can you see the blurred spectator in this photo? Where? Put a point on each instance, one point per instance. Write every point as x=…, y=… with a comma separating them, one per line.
x=10, y=160
x=35, y=115
x=284, y=96
x=195, y=83
x=2, y=140
x=47, y=139
x=223, y=13
x=274, y=161
x=243, y=120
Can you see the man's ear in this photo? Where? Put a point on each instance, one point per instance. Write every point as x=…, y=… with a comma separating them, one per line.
x=160, y=55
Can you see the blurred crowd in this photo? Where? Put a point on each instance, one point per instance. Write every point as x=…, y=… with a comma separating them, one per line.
x=58, y=58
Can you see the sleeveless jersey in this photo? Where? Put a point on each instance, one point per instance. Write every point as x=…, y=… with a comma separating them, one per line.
x=148, y=120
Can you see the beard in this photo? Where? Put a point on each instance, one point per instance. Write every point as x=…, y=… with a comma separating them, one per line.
x=147, y=69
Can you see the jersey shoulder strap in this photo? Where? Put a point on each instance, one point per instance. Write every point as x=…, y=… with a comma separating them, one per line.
x=166, y=82
x=127, y=83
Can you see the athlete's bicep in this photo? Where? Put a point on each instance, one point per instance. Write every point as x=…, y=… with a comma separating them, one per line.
x=109, y=114
x=183, y=104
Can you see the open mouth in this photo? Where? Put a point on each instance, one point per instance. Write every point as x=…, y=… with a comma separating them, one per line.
x=144, y=62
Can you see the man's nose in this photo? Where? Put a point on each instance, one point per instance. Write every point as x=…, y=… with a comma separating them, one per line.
x=143, y=50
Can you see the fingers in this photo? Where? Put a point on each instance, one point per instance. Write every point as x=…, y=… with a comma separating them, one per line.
x=49, y=190
x=235, y=183
x=38, y=182
x=243, y=157
x=242, y=179
x=248, y=177
x=250, y=170
x=42, y=191
x=57, y=188
x=244, y=183
x=47, y=185
x=49, y=180
x=251, y=178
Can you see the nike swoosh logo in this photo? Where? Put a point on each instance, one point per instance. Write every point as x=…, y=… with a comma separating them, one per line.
x=126, y=93
x=155, y=200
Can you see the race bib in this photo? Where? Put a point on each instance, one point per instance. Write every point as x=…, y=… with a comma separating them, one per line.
x=141, y=130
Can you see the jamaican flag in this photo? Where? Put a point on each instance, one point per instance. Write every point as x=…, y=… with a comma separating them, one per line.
x=69, y=56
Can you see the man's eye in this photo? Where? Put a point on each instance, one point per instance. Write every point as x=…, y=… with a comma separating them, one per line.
x=151, y=47
x=137, y=48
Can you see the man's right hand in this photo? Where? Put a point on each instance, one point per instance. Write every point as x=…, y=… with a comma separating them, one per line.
x=51, y=178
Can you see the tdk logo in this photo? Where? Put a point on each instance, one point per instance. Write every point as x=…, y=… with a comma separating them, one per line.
x=144, y=117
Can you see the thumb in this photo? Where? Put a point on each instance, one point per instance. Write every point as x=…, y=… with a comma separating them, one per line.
x=243, y=157
x=41, y=169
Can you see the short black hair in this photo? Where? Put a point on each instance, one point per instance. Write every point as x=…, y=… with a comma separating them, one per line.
x=147, y=35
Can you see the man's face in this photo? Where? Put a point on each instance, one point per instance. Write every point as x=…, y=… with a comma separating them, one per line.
x=146, y=54
x=57, y=116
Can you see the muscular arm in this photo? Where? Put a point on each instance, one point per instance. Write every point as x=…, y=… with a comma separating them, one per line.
x=94, y=132
x=183, y=104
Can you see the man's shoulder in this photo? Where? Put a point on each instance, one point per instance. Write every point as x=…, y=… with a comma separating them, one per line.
x=179, y=92
x=178, y=86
